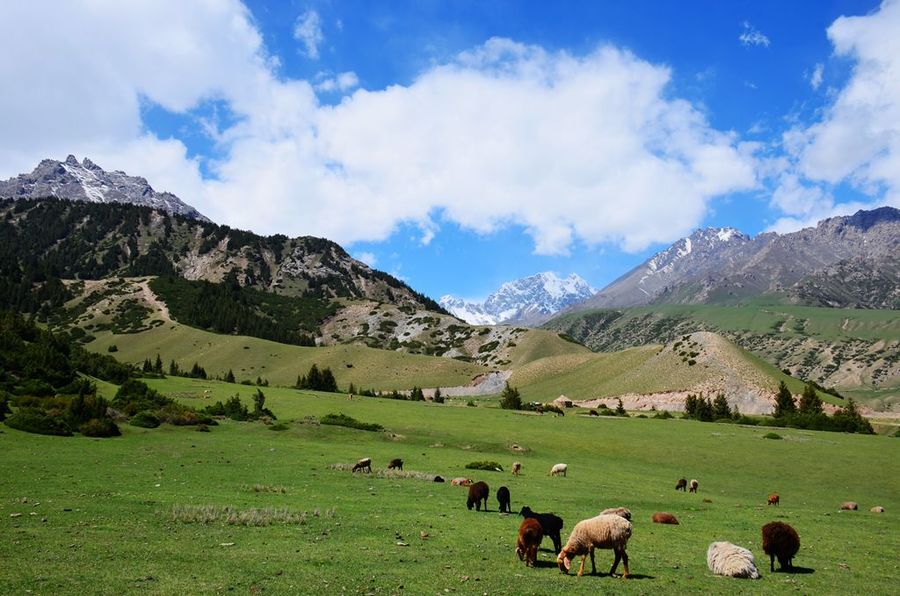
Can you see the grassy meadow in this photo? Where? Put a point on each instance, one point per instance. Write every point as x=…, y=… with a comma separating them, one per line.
x=81, y=515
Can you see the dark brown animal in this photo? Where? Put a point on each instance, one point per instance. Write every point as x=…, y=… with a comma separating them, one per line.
x=478, y=494
x=530, y=535
x=780, y=540
x=503, y=499
x=773, y=499
x=682, y=484
x=363, y=464
x=661, y=517
x=552, y=525
x=396, y=464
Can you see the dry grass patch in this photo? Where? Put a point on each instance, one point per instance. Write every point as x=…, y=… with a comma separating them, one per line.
x=388, y=473
x=266, y=516
x=266, y=488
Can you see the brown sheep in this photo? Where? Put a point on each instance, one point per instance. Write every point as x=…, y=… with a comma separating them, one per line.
x=780, y=540
x=773, y=499
x=478, y=493
x=661, y=517
x=552, y=525
x=396, y=463
x=693, y=486
x=682, y=484
x=530, y=535
x=461, y=481
x=849, y=506
x=516, y=468
x=363, y=464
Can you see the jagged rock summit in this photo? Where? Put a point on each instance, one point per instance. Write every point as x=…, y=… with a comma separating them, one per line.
x=527, y=301
x=86, y=181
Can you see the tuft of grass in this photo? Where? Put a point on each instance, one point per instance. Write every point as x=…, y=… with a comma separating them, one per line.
x=775, y=436
x=344, y=420
x=484, y=465
x=279, y=427
x=266, y=516
x=398, y=474
x=267, y=488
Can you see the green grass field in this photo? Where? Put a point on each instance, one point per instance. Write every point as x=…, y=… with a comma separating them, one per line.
x=96, y=514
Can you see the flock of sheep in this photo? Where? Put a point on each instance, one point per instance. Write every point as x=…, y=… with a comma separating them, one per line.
x=611, y=529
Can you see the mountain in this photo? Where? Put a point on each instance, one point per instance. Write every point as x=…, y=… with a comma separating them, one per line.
x=526, y=301
x=820, y=266
x=86, y=181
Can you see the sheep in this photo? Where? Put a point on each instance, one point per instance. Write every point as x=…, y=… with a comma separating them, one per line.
x=661, y=517
x=478, y=492
x=363, y=464
x=780, y=540
x=559, y=469
x=877, y=509
x=503, y=499
x=773, y=499
x=693, y=487
x=731, y=560
x=516, y=468
x=849, y=506
x=461, y=481
x=530, y=535
x=681, y=485
x=552, y=525
x=439, y=479
x=620, y=511
x=396, y=463
x=604, y=531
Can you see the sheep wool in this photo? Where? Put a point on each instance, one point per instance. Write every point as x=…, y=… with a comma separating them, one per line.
x=607, y=531
x=620, y=511
x=731, y=560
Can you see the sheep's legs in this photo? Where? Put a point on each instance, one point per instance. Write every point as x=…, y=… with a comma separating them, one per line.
x=620, y=556
x=581, y=569
x=772, y=563
x=593, y=565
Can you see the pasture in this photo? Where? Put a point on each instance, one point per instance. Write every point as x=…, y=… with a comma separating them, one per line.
x=96, y=515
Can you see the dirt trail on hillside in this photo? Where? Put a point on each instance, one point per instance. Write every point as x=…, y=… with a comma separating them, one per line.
x=153, y=301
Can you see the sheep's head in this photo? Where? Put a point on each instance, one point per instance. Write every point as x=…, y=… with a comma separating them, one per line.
x=525, y=511
x=564, y=561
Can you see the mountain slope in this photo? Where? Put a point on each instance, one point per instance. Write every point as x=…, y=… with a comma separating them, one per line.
x=86, y=181
x=526, y=301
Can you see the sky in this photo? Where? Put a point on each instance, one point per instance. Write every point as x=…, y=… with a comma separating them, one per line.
x=462, y=144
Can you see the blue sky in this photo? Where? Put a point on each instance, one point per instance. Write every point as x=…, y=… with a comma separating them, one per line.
x=462, y=144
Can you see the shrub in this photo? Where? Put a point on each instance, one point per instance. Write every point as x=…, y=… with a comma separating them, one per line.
x=279, y=427
x=775, y=436
x=144, y=419
x=664, y=415
x=510, y=399
x=112, y=348
x=134, y=396
x=202, y=428
x=100, y=427
x=484, y=465
x=471, y=404
x=344, y=420
x=32, y=420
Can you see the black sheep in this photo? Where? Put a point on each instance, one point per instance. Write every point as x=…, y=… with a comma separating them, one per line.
x=478, y=492
x=503, y=499
x=396, y=463
x=682, y=484
x=552, y=525
x=780, y=540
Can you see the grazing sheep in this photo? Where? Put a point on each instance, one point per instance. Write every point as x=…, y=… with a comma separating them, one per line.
x=396, y=463
x=877, y=509
x=461, y=481
x=849, y=506
x=503, y=499
x=604, y=531
x=552, y=525
x=559, y=469
x=693, y=487
x=780, y=540
x=439, y=479
x=731, y=560
x=516, y=468
x=620, y=511
x=773, y=499
x=363, y=464
x=530, y=535
x=661, y=517
x=682, y=484
x=478, y=493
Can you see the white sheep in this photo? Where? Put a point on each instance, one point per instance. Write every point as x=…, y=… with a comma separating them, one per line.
x=559, y=469
x=693, y=486
x=731, y=560
x=608, y=531
x=620, y=511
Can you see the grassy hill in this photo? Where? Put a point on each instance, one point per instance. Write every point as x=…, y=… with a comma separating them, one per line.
x=371, y=534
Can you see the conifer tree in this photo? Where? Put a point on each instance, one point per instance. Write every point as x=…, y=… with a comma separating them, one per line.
x=810, y=402
x=784, y=402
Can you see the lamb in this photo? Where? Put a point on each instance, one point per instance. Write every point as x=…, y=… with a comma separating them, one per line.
x=478, y=492
x=877, y=509
x=396, y=463
x=773, y=499
x=681, y=485
x=461, y=481
x=516, y=468
x=530, y=535
x=503, y=499
x=620, y=511
x=551, y=524
x=661, y=517
x=731, y=560
x=849, y=506
x=559, y=469
x=780, y=540
x=694, y=485
x=607, y=531
x=363, y=464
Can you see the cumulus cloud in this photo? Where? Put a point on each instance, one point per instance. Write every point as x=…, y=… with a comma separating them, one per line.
x=591, y=148
x=308, y=30
x=342, y=82
x=752, y=36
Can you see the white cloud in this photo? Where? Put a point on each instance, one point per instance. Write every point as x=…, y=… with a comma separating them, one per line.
x=752, y=37
x=308, y=29
x=815, y=79
x=592, y=148
x=368, y=258
x=342, y=82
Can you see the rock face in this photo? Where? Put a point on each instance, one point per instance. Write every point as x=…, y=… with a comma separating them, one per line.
x=527, y=301
x=86, y=181
x=843, y=261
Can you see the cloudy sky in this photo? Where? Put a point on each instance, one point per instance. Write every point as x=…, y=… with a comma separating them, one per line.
x=459, y=144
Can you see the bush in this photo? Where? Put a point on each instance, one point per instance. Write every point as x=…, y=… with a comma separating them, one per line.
x=32, y=420
x=202, y=428
x=344, y=420
x=664, y=415
x=100, y=427
x=484, y=465
x=471, y=404
x=775, y=436
x=144, y=419
x=279, y=427
x=510, y=399
x=112, y=348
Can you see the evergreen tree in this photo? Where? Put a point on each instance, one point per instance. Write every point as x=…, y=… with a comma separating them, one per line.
x=690, y=406
x=174, y=371
x=720, y=409
x=147, y=366
x=704, y=409
x=510, y=399
x=229, y=376
x=352, y=389
x=438, y=398
x=784, y=402
x=848, y=419
x=157, y=366
x=810, y=403
x=416, y=394
x=620, y=409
